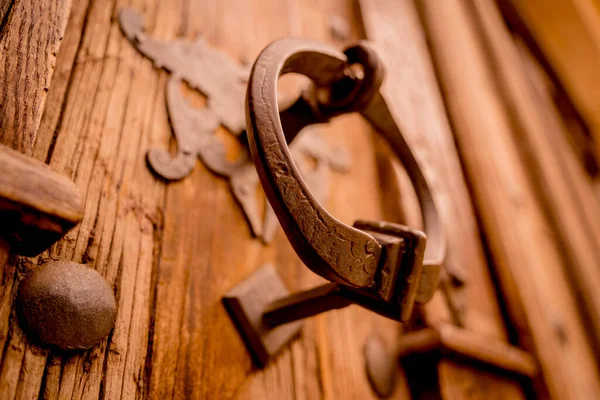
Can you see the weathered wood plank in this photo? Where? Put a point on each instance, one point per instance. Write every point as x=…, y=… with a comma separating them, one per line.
x=528, y=260
x=414, y=96
x=30, y=36
x=579, y=135
x=30, y=40
x=334, y=341
x=48, y=197
x=568, y=32
x=168, y=250
x=576, y=179
x=90, y=364
x=574, y=214
x=56, y=98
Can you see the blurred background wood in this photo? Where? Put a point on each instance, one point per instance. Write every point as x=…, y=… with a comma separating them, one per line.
x=494, y=119
x=568, y=34
x=569, y=203
x=413, y=94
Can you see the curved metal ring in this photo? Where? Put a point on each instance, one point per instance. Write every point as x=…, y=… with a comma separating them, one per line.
x=330, y=248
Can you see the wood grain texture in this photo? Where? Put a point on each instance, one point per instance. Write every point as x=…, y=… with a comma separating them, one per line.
x=574, y=213
x=527, y=258
x=57, y=94
x=568, y=32
x=413, y=94
x=171, y=252
x=30, y=36
x=579, y=135
x=30, y=39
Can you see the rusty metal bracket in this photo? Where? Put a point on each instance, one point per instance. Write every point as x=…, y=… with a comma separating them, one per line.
x=223, y=81
x=382, y=266
x=420, y=350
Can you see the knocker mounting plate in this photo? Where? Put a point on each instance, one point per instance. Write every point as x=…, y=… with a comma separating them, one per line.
x=382, y=266
x=247, y=302
x=223, y=81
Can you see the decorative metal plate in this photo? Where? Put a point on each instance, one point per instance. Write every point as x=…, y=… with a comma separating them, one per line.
x=223, y=81
x=246, y=304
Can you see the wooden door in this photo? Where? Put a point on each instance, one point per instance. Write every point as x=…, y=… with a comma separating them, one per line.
x=84, y=100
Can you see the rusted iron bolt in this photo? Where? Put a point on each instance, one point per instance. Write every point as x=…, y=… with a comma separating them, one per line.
x=67, y=305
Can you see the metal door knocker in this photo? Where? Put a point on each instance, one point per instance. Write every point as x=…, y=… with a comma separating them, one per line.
x=223, y=81
x=382, y=266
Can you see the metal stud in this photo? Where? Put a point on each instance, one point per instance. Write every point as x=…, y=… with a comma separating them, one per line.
x=67, y=305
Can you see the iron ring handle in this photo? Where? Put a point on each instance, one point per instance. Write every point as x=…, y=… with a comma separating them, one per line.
x=332, y=249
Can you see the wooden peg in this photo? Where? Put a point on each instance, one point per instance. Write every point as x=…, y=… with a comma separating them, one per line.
x=37, y=205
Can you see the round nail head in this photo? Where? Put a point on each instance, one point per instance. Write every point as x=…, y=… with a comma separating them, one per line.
x=67, y=305
x=381, y=367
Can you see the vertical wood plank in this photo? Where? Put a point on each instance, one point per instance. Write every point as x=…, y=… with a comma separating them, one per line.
x=30, y=38
x=527, y=258
x=415, y=98
x=574, y=214
x=568, y=32
x=56, y=98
